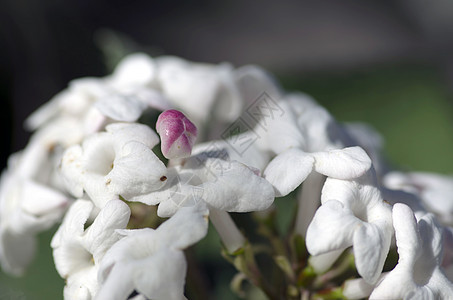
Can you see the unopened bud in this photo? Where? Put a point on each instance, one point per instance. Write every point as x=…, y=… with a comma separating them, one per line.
x=177, y=134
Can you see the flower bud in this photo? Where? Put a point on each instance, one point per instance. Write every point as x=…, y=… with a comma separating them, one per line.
x=177, y=134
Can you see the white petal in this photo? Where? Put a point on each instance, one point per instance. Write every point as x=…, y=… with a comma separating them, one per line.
x=40, y=200
x=371, y=245
x=82, y=285
x=228, y=103
x=162, y=276
x=74, y=221
x=120, y=107
x=43, y=114
x=101, y=235
x=135, y=69
x=252, y=81
x=136, y=171
x=357, y=289
x=431, y=235
x=167, y=208
x=406, y=233
x=288, y=170
x=190, y=87
x=125, y=132
x=421, y=293
x=344, y=163
x=152, y=98
x=69, y=256
x=359, y=194
x=185, y=228
x=395, y=285
x=237, y=188
x=277, y=126
x=72, y=170
x=322, y=262
x=118, y=284
x=332, y=228
x=440, y=285
x=322, y=131
x=230, y=149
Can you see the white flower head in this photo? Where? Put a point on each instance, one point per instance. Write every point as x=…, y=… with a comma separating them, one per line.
x=353, y=213
x=418, y=274
x=78, y=251
x=118, y=162
x=150, y=261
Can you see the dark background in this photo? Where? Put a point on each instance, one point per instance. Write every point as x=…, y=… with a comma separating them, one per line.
x=388, y=63
x=47, y=43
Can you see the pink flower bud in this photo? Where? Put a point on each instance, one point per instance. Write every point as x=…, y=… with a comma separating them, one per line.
x=177, y=134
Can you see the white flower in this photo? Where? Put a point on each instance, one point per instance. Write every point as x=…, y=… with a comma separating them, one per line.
x=133, y=71
x=150, y=261
x=223, y=185
x=78, y=251
x=220, y=183
x=434, y=190
x=39, y=160
x=133, y=89
x=230, y=149
x=75, y=102
x=418, y=274
x=300, y=137
x=290, y=168
x=253, y=81
x=118, y=162
x=199, y=90
x=26, y=209
x=353, y=213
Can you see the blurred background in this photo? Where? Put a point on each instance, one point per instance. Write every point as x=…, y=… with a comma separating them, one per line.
x=386, y=63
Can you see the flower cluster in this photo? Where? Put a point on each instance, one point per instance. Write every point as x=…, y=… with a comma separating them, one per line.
x=134, y=165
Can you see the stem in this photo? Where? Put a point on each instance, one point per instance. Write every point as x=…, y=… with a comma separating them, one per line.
x=230, y=235
x=346, y=265
x=308, y=198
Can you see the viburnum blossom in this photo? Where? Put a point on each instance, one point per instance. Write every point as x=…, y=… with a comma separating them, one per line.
x=150, y=261
x=302, y=205
x=418, y=274
x=117, y=162
x=302, y=144
x=78, y=251
x=353, y=213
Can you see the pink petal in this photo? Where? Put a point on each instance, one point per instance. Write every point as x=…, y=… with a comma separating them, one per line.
x=177, y=134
